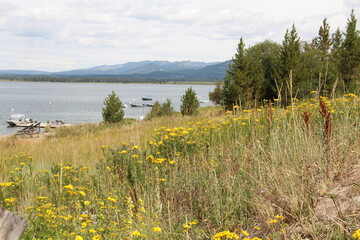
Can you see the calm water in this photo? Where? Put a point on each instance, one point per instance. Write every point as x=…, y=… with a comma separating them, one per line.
x=82, y=102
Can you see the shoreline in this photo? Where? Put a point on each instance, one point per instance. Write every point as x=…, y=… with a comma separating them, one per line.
x=159, y=82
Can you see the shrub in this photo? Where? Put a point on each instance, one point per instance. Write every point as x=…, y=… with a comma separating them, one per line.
x=112, y=111
x=189, y=102
x=158, y=110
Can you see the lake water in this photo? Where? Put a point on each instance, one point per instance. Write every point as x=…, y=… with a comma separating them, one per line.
x=82, y=102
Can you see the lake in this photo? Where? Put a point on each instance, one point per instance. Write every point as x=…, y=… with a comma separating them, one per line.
x=82, y=102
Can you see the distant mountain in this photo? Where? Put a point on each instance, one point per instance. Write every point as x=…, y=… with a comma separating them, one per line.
x=143, y=67
x=23, y=72
x=186, y=70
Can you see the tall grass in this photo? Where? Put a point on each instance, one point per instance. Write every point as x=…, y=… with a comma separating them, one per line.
x=256, y=172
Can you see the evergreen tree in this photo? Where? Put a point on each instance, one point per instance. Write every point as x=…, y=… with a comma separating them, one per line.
x=289, y=62
x=189, y=102
x=112, y=111
x=350, y=52
x=236, y=83
x=323, y=41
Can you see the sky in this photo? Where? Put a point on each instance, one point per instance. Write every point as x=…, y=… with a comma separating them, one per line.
x=62, y=35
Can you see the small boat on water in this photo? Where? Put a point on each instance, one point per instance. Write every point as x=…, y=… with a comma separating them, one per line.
x=20, y=120
x=146, y=98
x=136, y=105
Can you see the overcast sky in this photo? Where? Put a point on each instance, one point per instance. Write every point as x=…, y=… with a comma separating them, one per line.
x=69, y=34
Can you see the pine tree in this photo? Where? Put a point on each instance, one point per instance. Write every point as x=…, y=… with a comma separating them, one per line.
x=189, y=102
x=350, y=52
x=236, y=83
x=289, y=62
x=112, y=111
x=323, y=41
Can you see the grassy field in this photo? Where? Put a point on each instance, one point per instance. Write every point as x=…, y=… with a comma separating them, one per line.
x=264, y=173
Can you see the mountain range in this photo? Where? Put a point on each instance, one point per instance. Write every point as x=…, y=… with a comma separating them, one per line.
x=180, y=70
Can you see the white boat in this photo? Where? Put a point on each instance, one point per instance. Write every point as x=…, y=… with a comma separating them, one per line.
x=136, y=105
x=20, y=120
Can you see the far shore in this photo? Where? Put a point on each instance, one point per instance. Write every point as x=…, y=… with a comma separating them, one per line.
x=167, y=82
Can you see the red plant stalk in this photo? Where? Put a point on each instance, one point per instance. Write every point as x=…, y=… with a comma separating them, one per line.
x=327, y=119
x=306, y=119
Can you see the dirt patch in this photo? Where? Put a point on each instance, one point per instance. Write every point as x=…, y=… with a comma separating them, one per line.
x=343, y=199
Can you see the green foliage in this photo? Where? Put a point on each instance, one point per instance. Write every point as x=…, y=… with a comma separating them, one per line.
x=216, y=95
x=236, y=80
x=251, y=75
x=323, y=41
x=329, y=64
x=189, y=102
x=350, y=52
x=289, y=64
x=261, y=68
x=112, y=111
x=158, y=110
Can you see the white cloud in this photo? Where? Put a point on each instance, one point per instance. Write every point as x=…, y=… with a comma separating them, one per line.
x=66, y=34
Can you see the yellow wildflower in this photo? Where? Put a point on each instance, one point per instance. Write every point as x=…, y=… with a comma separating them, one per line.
x=70, y=186
x=9, y=200
x=86, y=202
x=82, y=193
x=186, y=226
x=96, y=237
x=226, y=234
x=273, y=221
x=7, y=184
x=156, y=229
x=112, y=199
x=245, y=232
x=79, y=237
x=356, y=234
x=136, y=233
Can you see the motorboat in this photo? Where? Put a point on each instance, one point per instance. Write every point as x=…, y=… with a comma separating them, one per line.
x=136, y=105
x=16, y=120
x=146, y=98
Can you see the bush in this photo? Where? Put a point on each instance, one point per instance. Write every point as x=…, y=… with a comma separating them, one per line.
x=216, y=96
x=158, y=110
x=112, y=111
x=189, y=102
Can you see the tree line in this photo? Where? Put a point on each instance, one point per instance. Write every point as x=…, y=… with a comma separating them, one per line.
x=329, y=64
